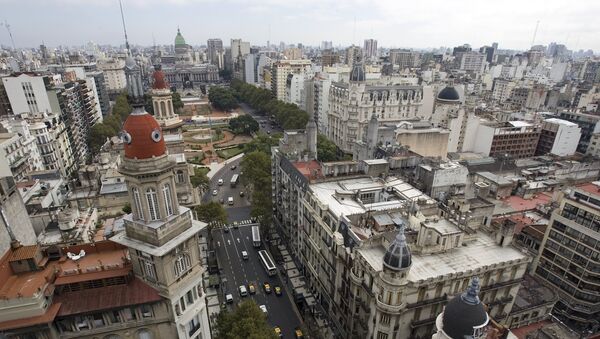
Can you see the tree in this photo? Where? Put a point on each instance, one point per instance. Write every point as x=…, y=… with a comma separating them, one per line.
x=326, y=149
x=257, y=174
x=247, y=321
x=199, y=179
x=262, y=143
x=122, y=109
x=225, y=74
x=127, y=208
x=177, y=103
x=211, y=213
x=222, y=98
x=243, y=124
x=98, y=135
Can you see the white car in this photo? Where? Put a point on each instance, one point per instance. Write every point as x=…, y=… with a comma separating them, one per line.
x=243, y=291
x=215, y=192
x=263, y=308
x=229, y=298
x=244, y=255
x=220, y=182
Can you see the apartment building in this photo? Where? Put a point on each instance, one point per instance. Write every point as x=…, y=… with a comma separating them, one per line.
x=351, y=105
x=280, y=71
x=589, y=126
x=513, y=139
x=502, y=89
x=114, y=75
x=19, y=148
x=558, y=137
x=569, y=259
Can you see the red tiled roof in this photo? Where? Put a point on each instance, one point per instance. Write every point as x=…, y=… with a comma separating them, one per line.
x=310, y=169
x=37, y=320
x=134, y=293
x=589, y=187
x=519, y=204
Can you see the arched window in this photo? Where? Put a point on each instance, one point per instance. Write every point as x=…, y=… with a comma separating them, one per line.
x=170, y=107
x=163, y=109
x=180, y=177
x=182, y=264
x=168, y=200
x=138, y=203
x=152, y=204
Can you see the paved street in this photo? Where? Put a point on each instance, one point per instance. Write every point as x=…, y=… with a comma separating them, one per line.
x=262, y=120
x=229, y=247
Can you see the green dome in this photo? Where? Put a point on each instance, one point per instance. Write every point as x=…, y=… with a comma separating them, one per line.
x=179, y=40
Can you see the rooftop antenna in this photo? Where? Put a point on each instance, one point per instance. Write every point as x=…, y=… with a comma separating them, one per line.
x=269, y=37
x=5, y=24
x=124, y=29
x=354, y=32
x=537, y=24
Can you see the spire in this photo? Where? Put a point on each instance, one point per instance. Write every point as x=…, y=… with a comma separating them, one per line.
x=471, y=295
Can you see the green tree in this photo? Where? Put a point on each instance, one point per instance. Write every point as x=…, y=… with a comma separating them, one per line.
x=177, y=103
x=262, y=142
x=211, y=213
x=257, y=176
x=326, y=149
x=247, y=321
x=127, y=208
x=121, y=107
x=98, y=135
x=225, y=74
x=222, y=98
x=199, y=179
x=243, y=124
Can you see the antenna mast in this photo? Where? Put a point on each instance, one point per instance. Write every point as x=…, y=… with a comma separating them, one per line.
x=537, y=24
x=5, y=24
x=124, y=29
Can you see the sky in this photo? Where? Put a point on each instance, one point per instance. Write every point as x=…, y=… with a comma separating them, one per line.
x=394, y=23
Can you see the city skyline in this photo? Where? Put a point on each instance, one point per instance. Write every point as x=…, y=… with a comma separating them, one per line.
x=149, y=22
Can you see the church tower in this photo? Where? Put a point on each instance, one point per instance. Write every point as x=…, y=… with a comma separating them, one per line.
x=162, y=237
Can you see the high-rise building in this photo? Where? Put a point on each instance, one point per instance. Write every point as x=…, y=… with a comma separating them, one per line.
x=569, y=258
x=353, y=54
x=370, y=49
x=329, y=58
x=280, y=71
x=472, y=61
x=214, y=51
x=558, y=137
x=326, y=45
x=293, y=53
x=404, y=58
x=114, y=76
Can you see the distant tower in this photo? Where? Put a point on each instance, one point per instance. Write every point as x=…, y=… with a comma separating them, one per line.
x=311, y=135
x=162, y=103
x=464, y=316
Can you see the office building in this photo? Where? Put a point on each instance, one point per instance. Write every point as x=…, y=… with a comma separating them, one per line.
x=329, y=58
x=589, y=126
x=513, y=139
x=353, y=54
x=404, y=58
x=558, y=137
x=569, y=258
x=214, y=52
x=472, y=62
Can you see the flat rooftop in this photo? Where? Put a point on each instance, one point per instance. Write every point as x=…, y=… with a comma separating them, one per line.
x=481, y=252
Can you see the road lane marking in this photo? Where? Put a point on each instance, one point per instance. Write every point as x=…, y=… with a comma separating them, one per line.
x=226, y=252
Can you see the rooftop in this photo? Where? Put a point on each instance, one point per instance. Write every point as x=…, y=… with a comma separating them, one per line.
x=500, y=180
x=561, y=122
x=479, y=253
x=532, y=293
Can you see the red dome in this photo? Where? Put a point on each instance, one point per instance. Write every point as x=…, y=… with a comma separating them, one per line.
x=142, y=137
x=159, y=80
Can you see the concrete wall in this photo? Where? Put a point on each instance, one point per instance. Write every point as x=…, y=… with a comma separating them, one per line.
x=428, y=144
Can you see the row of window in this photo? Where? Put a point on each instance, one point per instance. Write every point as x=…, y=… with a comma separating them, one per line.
x=152, y=202
x=99, y=320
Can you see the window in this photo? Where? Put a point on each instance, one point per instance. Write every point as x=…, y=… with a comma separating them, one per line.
x=114, y=317
x=129, y=314
x=144, y=334
x=149, y=269
x=182, y=264
x=98, y=320
x=381, y=335
x=146, y=311
x=152, y=204
x=180, y=177
x=194, y=325
x=385, y=319
x=138, y=203
x=182, y=304
x=168, y=200
x=190, y=297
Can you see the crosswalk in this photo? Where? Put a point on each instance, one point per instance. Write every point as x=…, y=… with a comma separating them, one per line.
x=246, y=222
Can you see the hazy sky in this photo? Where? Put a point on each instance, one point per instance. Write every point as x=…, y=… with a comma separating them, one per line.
x=394, y=23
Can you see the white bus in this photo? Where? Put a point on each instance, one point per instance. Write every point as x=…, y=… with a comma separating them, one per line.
x=255, y=236
x=234, y=180
x=267, y=262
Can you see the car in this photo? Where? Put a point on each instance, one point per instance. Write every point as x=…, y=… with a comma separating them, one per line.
x=229, y=298
x=244, y=255
x=230, y=201
x=277, y=330
x=220, y=182
x=298, y=333
x=233, y=167
x=243, y=291
x=236, y=225
x=241, y=193
x=215, y=192
x=267, y=287
x=263, y=308
x=277, y=290
x=225, y=228
x=268, y=132
x=251, y=288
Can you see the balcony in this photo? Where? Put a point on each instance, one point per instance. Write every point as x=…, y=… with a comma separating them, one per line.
x=421, y=303
x=387, y=307
x=423, y=322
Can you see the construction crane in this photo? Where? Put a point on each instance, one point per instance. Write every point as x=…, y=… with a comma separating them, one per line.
x=5, y=24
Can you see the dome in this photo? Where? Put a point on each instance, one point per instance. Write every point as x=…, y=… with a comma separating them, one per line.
x=159, y=79
x=179, y=40
x=465, y=313
x=398, y=257
x=142, y=136
x=448, y=94
x=358, y=72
